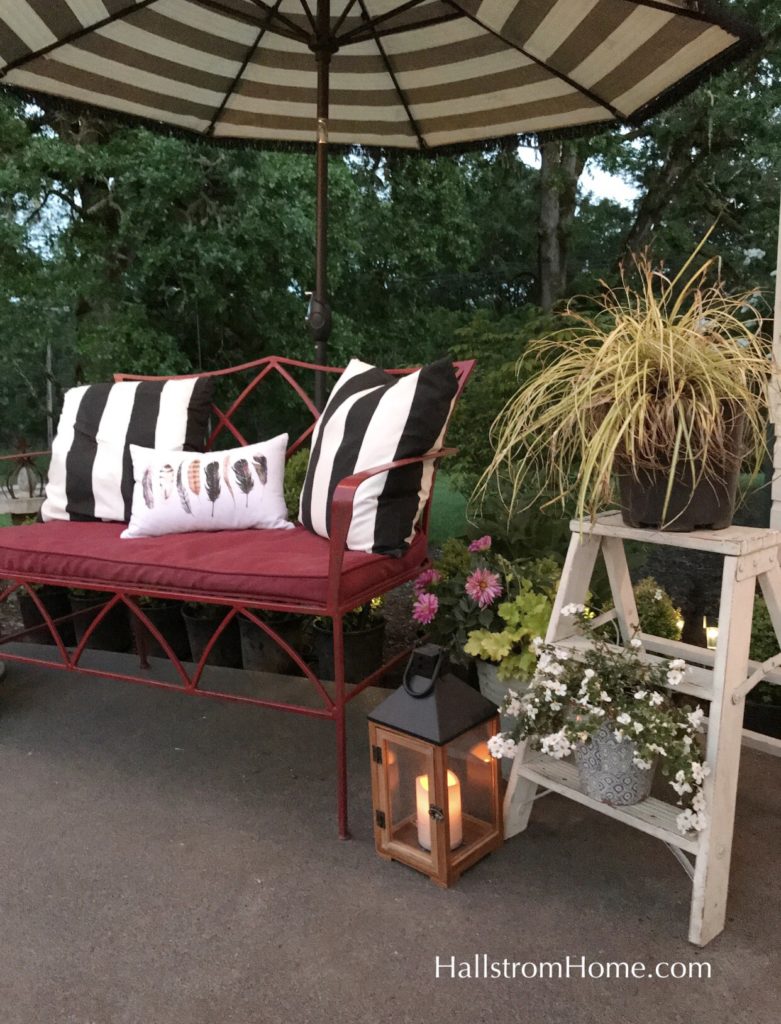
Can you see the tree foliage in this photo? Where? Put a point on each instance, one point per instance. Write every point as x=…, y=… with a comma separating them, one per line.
x=122, y=249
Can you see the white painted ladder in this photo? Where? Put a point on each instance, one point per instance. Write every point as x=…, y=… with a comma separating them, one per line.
x=721, y=677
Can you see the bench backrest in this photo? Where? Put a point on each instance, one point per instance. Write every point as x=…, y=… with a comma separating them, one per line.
x=239, y=384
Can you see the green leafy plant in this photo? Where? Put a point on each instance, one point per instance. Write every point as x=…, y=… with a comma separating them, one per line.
x=764, y=645
x=295, y=474
x=525, y=617
x=358, y=619
x=458, y=599
x=652, y=381
x=656, y=611
x=571, y=698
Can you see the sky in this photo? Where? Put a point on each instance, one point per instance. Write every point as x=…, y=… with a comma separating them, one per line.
x=595, y=181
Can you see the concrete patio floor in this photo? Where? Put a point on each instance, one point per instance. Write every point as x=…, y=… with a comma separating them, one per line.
x=174, y=861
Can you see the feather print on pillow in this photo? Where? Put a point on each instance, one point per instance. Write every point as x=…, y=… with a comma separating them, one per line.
x=182, y=492
x=243, y=478
x=212, y=474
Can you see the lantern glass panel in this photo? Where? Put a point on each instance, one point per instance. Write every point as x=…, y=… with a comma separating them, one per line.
x=408, y=770
x=471, y=763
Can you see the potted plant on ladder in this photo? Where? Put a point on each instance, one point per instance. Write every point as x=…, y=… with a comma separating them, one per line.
x=664, y=386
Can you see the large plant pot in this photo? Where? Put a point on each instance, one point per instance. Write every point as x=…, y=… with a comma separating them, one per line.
x=606, y=770
x=761, y=717
x=112, y=633
x=698, y=501
x=363, y=651
x=260, y=653
x=200, y=629
x=709, y=505
x=496, y=689
x=167, y=618
x=55, y=601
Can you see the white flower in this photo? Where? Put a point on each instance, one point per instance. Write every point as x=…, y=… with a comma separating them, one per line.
x=513, y=708
x=589, y=673
x=640, y=694
x=605, y=696
x=655, y=699
x=599, y=712
x=562, y=654
x=572, y=609
x=689, y=820
x=556, y=745
x=678, y=664
x=639, y=727
x=618, y=734
x=635, y=642
x=638, y=762
x=698, y=801
x=695, y=718
x=674, y=677
x=538, y=643
x=658, y=594
x=496, y=745
x=501, y=745
x=657, y=749
x=699, y=771
x=623, y=718
x=753, y=254
x=680, y=785
x=555, y=706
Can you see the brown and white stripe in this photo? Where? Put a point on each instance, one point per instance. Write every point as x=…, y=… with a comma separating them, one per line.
x=415, y=74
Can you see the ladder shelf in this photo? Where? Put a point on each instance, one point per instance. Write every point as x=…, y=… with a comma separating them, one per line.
x=721, y=678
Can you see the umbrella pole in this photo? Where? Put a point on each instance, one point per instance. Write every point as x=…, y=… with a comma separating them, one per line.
x=319, y=315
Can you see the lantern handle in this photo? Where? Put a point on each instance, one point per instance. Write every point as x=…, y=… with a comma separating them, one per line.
x=415, y=662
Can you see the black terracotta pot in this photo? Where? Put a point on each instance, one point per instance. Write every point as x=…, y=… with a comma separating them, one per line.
x=362, y=651
x=55, y=601
x=698, y=501
x=200, y=629
x=112, y=633
x=761, y=717
x=259, y=653
x=167, y=618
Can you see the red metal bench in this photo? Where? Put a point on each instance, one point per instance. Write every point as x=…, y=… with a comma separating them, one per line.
x=244, y=571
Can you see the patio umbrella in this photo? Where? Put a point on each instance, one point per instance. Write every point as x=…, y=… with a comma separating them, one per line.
x=418, y=75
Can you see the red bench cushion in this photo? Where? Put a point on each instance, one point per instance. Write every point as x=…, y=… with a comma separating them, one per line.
x=248, y=565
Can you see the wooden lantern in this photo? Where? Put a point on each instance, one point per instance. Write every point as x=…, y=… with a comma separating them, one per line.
x=435, y=786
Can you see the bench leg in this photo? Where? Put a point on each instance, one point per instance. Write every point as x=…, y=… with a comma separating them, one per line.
x=341, y=731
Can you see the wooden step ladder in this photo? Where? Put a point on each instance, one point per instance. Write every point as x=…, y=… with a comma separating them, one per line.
x=722, y=677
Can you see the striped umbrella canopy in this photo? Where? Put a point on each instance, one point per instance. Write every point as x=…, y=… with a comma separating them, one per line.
x=414, y=74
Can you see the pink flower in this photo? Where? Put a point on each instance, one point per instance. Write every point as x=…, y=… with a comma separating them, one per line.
x=428, y=578
x=483, y=587
x=425, y=608
x=481, y=544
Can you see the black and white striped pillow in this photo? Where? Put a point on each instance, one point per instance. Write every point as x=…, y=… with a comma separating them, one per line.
x=91, y=472
x=372, y=418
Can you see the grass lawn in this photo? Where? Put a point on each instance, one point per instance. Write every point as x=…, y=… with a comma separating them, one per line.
x=448, y=511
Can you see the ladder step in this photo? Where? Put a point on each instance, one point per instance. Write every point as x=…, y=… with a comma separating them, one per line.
x=698, y=681
x=735, y=540
x=652, y=816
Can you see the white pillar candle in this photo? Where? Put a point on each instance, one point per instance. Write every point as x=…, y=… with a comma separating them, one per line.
x=454, y=811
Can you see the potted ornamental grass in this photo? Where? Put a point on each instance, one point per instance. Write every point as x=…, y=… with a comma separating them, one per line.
x=662, y=387
x=612, y=710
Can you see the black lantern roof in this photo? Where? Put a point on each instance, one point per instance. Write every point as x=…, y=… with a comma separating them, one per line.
x=430, y=705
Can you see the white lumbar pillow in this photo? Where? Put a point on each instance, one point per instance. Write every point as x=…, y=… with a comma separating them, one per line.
x=179, y=492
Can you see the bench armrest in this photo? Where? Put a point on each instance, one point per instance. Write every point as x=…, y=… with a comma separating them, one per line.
x=342, y=512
